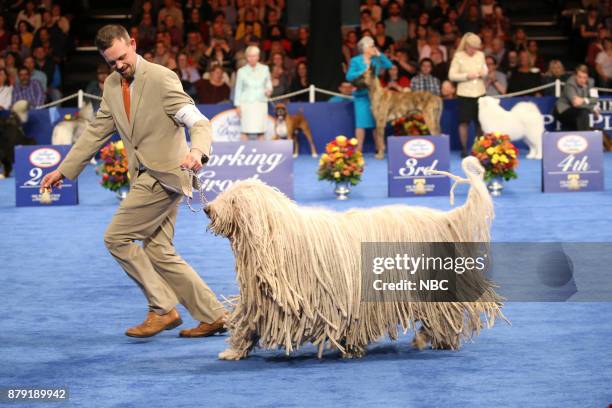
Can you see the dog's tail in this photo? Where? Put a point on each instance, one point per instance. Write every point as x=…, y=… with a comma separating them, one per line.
x=478, y=209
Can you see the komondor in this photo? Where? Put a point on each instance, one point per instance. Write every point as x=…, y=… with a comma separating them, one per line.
x=524, y=120
x=300, y=278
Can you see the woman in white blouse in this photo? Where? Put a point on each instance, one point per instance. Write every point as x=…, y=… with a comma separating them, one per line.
x=6, y=90
x=253, y=87
x=468, y=69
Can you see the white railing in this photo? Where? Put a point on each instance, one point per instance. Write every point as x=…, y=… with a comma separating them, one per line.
x=311, y=90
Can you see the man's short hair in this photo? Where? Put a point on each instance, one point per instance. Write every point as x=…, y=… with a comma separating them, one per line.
x=492, y=58
x=109, y=33
x=582, y=68
x=426, y=60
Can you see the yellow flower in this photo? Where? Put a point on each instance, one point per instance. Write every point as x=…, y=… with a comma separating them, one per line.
x=496, y=134
x=324, y=156
x=490, y=151
x=495, y=158
x=337, y=174
x=119, y=145
x=503, y=158
x=335, y=149
x=341, y=140
x=360, y=162
x=511, y=153
x=353, y=142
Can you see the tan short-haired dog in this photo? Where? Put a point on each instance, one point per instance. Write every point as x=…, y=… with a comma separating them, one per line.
x=287, y=125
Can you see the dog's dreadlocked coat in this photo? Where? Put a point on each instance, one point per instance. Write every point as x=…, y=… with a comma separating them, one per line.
x=299, y=271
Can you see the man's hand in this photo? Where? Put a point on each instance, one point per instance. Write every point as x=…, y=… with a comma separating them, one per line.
x=193, y=161
x=53, y=179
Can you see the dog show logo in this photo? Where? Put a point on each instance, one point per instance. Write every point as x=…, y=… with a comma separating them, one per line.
x=572, y=144
x=419, y=148
x=226, y=127
x=45, y=157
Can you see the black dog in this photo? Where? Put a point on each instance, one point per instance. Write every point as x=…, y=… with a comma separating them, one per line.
x=11, y=135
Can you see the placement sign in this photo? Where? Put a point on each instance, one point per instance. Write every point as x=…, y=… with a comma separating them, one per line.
x=572, y=161
x=31, y=164
x=410, y=157
x=268, y=161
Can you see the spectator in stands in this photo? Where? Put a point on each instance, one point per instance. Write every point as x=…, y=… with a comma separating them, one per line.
x=218, y=29
x=195, y=50
x=433, y=43
x=424, y=80
x=370, y=57
x=142, y=7
x=4, y=35
x=6, y=90
x=449, y=35
x=253, y=87
x=275, y=33
x=498, y=51
x=487, y=8
x=510, y=63
x=187, y=72
x=535, y=59
x=176, y=34
x=277, y=59
x=249, y=17
x=349, y=48
x=30, y=15
x=171, y=9
x=486, y=35
x=17, y=48
x=366, y=21
x=249, y=38
x=394, y=81
x=205, y=10
x=469, y=69
x=418, y=43
x=219, y=52
x=448, y=90
x=299, y=48
x=440, y=12
x=25, y=32
x=555, y=71
x=96, y=87
x=161, y=55
x=395, y=26
x=272, y=18
x=198, y=25
x=345, y=88
x=596, y=46
x=148, y=55
x=146, y=32
x=382, y=40
x=472, y=22
x=11, y=62
x=495, y=81
x=603, y=65
x=440, y=67
x=35, y=74
x=519, y=40
x=31, y=91
x=500, y=23
x=525, y=76
x=280, y=83
x=228, y=9
x=576, y=102
x=299, y=82
x=374, y=9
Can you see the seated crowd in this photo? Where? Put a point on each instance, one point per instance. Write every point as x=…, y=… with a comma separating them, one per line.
x=204, y=42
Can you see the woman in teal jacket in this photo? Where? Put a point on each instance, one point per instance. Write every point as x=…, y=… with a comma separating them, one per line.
x=370, y=56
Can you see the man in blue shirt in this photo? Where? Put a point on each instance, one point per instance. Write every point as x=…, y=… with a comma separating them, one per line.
x=424, y=81
x=28, y=89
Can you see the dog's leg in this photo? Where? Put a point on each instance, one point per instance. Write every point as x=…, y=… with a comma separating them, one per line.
x=379, y=139
x=242, y=337
x=306, y=129
x=296, y=145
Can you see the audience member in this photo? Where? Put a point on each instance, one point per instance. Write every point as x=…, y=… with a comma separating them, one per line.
x=27, y=89
x=495, y=81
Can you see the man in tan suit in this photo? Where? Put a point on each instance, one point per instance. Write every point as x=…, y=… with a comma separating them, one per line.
x=145, y=103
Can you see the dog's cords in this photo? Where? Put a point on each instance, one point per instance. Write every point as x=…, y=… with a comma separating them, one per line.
x=195, y=182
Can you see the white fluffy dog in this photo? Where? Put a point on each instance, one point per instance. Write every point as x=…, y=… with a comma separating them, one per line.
x=300, y=275
x=67, y=132
x=524, y=120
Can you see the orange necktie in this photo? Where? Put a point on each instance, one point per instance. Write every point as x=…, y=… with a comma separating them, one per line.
x=125, y=89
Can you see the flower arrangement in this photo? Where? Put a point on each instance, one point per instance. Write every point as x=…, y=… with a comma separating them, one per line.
x=113, y=166
x=412, y=124
x=341, y=162
x=497, y=155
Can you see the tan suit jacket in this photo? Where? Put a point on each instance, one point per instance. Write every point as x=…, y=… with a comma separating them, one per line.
x=152, y=137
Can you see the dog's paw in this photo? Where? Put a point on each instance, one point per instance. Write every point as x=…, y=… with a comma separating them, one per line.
x=230, y=355
x=314, y=155
x=295, y=155
x=2, y=177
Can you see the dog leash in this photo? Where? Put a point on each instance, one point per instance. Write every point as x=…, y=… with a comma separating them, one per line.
x=195, y=182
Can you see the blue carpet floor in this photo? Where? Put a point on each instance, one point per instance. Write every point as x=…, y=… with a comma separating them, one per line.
x=66, y=304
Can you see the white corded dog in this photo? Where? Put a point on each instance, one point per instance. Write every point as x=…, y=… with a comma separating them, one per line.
x=524, y=120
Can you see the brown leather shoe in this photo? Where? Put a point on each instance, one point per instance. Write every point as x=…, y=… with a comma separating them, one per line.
x=206, y=329
x=155, y=324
